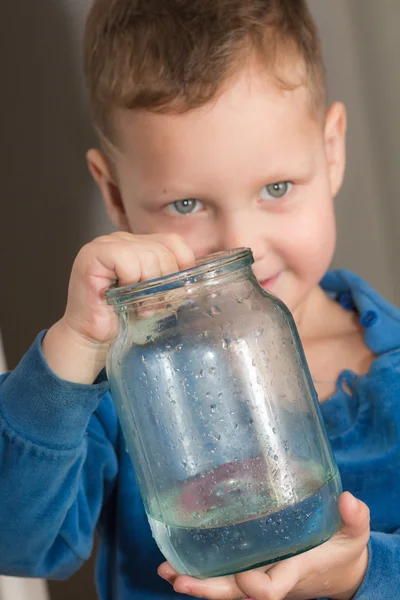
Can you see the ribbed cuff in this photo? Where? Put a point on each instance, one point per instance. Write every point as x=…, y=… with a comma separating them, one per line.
x=44, y=409
x=382, y=579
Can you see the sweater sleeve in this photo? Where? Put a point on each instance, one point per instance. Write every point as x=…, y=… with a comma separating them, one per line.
x=58, y=467
x=382, y=579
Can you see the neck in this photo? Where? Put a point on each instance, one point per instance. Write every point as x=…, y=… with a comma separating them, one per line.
x=316, y=315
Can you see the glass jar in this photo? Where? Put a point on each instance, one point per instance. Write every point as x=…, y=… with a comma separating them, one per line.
x=221, y=419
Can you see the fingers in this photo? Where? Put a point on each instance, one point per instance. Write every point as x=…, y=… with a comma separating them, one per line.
x=257, y=584
x=149, y=265
x=131, y=259
x=219, y=588
x=184, y=255
x=167, y=572
x=157, y=255
x=119, y=257
x=355, y=516
x=273, y=585
x=134, y=262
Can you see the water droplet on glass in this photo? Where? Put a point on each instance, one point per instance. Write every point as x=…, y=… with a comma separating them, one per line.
x=143, y=360
x=149, y=338
x=274, y=430
x=220, y=395
x=253, y=362
x=276, y=457
x=179, y=347
x=201, y=374
x=213, y=407
x=259, y=332
x=214, y=310
x=212, y=370
x=208, y=395
x=226, y=343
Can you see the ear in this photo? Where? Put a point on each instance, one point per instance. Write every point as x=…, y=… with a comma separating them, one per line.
x=100, y=168
x=335, y=145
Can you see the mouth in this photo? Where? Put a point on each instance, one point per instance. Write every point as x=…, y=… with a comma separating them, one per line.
x=269, y=284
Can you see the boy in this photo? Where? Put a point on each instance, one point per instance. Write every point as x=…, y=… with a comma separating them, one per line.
x=215, y=134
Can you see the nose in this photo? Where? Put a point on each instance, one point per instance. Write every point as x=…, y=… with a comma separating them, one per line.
x=243, y=231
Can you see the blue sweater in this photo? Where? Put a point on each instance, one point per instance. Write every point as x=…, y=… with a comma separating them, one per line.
x=64, y=469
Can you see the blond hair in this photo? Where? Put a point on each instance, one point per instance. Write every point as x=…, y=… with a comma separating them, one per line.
x=175, y=55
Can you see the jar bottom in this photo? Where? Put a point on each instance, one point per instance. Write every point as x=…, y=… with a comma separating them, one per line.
x=216, y=551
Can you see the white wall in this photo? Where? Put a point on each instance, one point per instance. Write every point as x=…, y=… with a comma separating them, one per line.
x=353, y=34
x=22, y=589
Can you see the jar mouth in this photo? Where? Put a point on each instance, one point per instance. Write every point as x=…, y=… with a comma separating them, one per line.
x=206, y=268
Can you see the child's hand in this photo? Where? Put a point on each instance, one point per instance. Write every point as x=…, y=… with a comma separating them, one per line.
x=334, y=570
x=76, y=346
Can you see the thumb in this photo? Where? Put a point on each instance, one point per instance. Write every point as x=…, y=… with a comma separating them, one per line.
x=355, y=516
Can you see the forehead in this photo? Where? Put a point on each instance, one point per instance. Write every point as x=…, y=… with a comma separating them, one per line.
x=252, y=119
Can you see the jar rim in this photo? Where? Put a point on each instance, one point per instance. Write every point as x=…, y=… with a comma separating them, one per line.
x=206, y=268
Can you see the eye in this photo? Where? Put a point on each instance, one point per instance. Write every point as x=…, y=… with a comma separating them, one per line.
x=275, y=191
x=185, y=207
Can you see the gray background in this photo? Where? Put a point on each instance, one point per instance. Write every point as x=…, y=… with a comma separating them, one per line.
x=50, y=208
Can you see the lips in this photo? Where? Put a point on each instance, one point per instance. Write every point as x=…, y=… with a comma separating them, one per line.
x=269, y=284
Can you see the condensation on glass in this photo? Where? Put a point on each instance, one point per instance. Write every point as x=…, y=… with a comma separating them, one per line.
x=221, y=419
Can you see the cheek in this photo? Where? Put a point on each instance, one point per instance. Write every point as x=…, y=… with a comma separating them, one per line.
x=310, y=239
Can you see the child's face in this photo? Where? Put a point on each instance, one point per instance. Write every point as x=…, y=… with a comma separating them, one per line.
x=254, y=168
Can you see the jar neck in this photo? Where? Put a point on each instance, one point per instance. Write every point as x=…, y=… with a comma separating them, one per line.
x=212, y=272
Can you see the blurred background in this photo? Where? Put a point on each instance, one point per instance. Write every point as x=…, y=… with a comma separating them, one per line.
x=50, y=207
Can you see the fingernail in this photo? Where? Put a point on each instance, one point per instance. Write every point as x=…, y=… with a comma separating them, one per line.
x=181, y=589
x=166, y=576
x=353, y=503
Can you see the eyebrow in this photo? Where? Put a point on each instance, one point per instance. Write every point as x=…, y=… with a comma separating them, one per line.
x=278, y=173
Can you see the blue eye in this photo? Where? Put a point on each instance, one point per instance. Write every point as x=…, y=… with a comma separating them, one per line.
x=185, y=207
x=275, y=191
